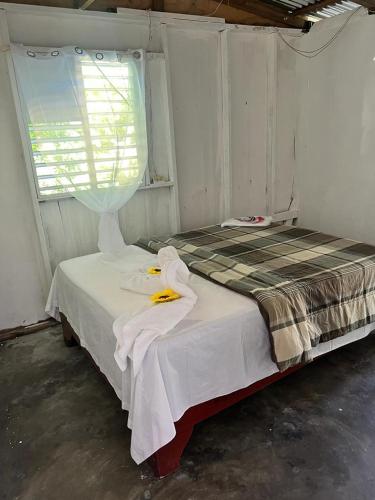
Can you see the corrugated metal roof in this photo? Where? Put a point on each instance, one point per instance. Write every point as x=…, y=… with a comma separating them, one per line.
x=329, y=11
x=334, y=10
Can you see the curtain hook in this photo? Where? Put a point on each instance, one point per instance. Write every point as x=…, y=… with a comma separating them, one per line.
x=30, y=53
x=99, y=56
x=55, y=53
x=78, y=50
x=137, y=54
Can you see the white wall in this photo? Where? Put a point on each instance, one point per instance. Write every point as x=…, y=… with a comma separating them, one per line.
x=263, y=115
x=284, y=185
x=21, y=270
x=248, y=60
x=224, y=84
x=72, y=229
x=336, y=136
x=195, y=85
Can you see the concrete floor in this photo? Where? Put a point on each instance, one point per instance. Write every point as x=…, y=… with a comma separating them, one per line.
x=63, y=435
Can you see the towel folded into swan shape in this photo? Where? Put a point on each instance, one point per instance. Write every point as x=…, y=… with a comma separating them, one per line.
x=134, y=336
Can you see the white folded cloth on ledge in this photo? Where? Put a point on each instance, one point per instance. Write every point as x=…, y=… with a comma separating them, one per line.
x=134, y=336
x=250, y=221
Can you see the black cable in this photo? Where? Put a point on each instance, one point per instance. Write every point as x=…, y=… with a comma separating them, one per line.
x=313, y=53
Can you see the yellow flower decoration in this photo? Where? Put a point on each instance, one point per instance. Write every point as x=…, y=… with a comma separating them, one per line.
x=165, y=296
x=154, y=270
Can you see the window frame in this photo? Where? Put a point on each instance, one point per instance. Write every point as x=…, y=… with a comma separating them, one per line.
x=146, y=184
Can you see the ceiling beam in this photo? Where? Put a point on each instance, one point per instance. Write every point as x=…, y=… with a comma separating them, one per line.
x=273, y=13
x=104, y=5
x=255, y=12
x=231, y=13
x=369, y=4
x=47, y=3
x=158, y=5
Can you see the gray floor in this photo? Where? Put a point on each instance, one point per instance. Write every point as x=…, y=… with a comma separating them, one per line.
x=63, y=435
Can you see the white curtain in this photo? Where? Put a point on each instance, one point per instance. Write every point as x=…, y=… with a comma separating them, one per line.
x=85, y=113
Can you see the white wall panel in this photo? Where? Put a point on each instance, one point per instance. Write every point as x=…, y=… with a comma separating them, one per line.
x=248, y=70
x=336, y=137
x=43, y=27
x=72, y=229
x=284, y=187
x=148, y=213
x=21, y=268
x=195, y=73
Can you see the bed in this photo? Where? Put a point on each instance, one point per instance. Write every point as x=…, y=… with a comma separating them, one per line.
x=217, y=355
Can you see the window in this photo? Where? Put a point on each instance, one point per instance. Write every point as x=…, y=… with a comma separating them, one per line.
x=82, y=154
x=102, y=140
x=85, y=115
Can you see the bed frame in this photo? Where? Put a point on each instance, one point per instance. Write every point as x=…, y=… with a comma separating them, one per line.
x=167, y=459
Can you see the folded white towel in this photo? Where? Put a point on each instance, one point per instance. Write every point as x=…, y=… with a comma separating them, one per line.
x=135, y=336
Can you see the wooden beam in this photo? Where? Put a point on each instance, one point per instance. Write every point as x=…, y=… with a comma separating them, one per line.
x=254, y=12
x=158, y=5
x=69, y=4
x=20, y=331
x=231, y=14
x=369, y=4
x=236, y=12
x=104, y=5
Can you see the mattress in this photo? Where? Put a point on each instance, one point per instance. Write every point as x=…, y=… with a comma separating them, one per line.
x=221, y=346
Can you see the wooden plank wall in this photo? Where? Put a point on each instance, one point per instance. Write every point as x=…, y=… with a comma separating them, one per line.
x=226, y=105
x=248, y=69
x=195, y=85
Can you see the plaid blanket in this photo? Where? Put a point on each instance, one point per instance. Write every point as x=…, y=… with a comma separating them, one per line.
x=310, y=287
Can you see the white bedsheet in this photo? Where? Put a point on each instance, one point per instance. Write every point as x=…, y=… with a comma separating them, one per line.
x=220, y=347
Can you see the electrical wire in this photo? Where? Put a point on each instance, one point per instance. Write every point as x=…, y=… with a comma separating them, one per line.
x=313, y=53
x=217, y=8
x=304, y=53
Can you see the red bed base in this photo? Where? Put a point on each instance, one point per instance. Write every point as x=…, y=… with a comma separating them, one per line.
x=167, y=459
